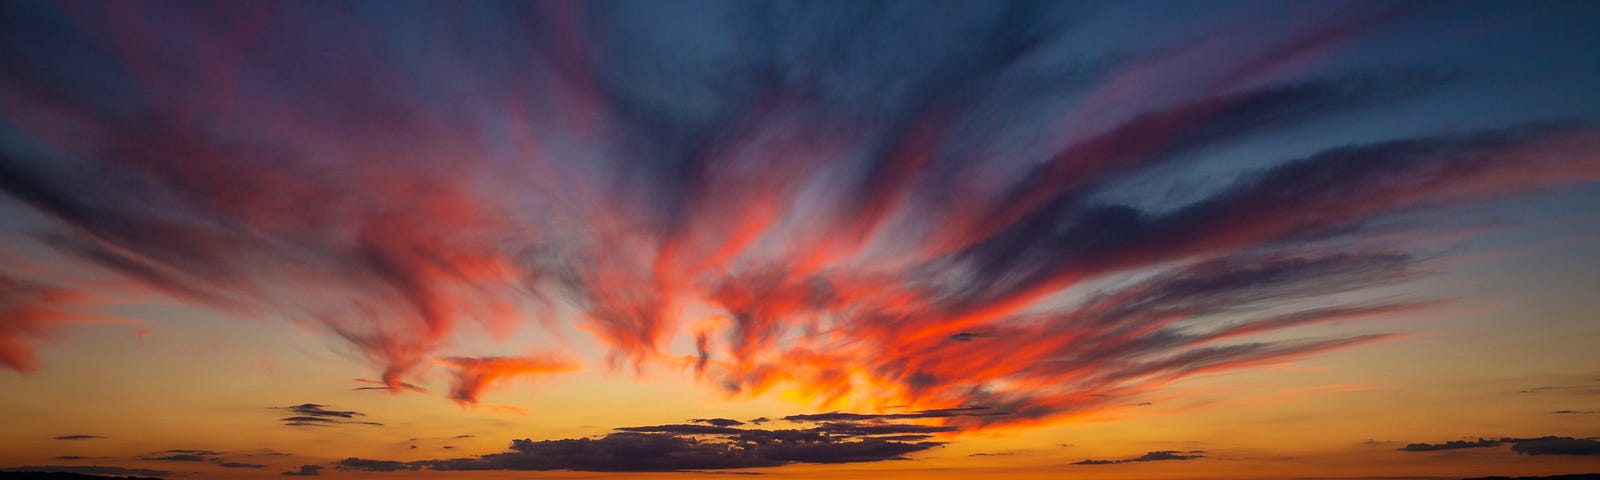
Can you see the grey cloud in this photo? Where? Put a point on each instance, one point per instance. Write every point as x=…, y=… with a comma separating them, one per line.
x=719, y=422
x=305, y=471
x=1148, y=457
x=1549, y=445
x=316, y=415
x=365, y=465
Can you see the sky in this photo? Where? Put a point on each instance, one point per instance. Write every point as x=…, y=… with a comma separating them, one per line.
x=644, y=239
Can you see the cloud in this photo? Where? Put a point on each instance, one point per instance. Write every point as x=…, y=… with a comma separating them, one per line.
x=474, y=375
x=1147, y=457
x=719, y=422
x=665, y=452
x=305, y=471
x=358, y=464
x=699, y=446
x=684, y=429
x=854, y=228
x=974, y=411
x=1550, y=445
x=79, y=437
x=315, y=415
x=1556, y=446
x=1452, y=445
x=189, y=455
x=93, y=470
x=32, y=311
x=182, y=456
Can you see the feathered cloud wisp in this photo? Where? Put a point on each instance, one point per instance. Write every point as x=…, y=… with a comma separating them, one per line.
x=921, y=207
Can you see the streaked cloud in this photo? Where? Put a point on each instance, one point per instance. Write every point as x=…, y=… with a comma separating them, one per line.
x=953, y=217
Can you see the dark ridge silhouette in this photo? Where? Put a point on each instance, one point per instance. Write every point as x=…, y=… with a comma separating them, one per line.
x=62, y=476
x=1575, y=476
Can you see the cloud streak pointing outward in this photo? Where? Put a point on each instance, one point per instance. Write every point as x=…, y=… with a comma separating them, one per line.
x=855, y=231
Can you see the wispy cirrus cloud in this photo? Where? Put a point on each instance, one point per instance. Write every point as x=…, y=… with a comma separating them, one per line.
x=31, y=311
x=852, y=228
x=474, y=375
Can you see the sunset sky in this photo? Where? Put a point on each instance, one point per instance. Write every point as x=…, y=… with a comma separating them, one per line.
x=809, y=240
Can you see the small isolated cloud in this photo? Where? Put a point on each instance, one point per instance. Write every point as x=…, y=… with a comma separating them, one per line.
x=719, y=422
x=237, y=464
x=78, y=437
x=1580, y=389
x=1148, y=457
x=305, y=471
x=92, y=470
x=1549, y=445
x=365, y=465
x=316, y=415
x=969, y=336
x=181, y=456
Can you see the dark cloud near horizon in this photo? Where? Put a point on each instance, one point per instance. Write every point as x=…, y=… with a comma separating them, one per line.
x=182, y=455
x=1453, y=445
x=92, y=470
x=909, y=204
x=190, y=455
x=1556, y=446
x=702, y=446
x=364, y=465
x=78, y=437
x=305, y=471
x=682, y=429
x=1147, y=457
x=1550, y=445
